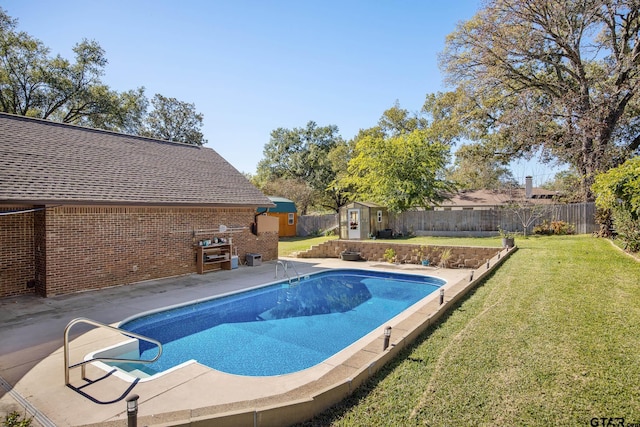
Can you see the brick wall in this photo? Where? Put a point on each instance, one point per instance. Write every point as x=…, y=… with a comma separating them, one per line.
x=461, y=256
x=71, y=248
x=95, y=247
x=16, y=251
x=40, y=250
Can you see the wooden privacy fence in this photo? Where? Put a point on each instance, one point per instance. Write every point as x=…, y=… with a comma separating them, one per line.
x=316, y=224
x=486, y=222
x=467, y=222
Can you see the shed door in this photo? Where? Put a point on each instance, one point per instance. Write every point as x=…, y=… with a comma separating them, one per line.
x=353, y=216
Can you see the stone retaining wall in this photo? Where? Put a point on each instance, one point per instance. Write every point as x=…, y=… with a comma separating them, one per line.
x=370, y=250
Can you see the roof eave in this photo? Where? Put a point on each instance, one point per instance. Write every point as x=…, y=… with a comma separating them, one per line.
x=56, y=202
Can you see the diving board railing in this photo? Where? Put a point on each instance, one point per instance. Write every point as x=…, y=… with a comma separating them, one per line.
x=129, y=334
x=285, y=265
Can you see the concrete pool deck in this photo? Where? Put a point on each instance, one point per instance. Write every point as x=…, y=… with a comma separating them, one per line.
x=32, y=361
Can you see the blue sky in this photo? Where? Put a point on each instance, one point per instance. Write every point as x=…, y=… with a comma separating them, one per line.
x=253, y=66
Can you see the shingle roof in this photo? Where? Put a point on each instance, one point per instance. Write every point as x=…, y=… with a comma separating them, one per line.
x=283, y=205
x=490, y=198
x=47, y=162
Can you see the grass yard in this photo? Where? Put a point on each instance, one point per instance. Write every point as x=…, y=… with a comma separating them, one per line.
x=288, y=245
x=550, y=338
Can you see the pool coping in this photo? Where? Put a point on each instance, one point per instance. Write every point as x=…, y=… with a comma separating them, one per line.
x=197, y=395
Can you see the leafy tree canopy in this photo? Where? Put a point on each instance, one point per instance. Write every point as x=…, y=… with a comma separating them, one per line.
x=567, y=184
x=399, y=163
x=400, y=172
x=550, y=76
x=293, y=189
x=472, y=170
x=306, y=154
x=35, y=84
x=174, y=120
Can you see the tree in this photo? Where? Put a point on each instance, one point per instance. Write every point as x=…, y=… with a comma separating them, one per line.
x=559, y=77
x=338, y=191
x=305, y=154
x=399, y=163
x=567, y=185
x=293, y=189
x=124, y=112
x=174, y=120
x=527, y=213
x=400, y=172
x=36, y=85
x=33, y=84
x=474, y=171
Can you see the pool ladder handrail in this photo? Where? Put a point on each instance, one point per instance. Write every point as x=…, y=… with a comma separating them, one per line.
x=284, y=265
x=105, y=359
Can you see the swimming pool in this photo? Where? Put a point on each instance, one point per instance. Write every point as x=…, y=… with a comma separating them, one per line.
x=279, y=328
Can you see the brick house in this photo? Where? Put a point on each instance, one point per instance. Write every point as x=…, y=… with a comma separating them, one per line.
x=85, y=209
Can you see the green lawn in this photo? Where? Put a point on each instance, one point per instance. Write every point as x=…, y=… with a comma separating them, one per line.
x=550, y=338
x=288, y=245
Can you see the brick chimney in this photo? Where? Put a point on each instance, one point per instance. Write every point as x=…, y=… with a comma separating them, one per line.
x=528, y=186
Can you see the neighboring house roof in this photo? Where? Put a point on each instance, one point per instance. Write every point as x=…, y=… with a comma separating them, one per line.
x=44, y=162
x=282, y=205
x=490, y=198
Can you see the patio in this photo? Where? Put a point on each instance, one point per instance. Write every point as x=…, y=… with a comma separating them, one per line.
x=32, y=367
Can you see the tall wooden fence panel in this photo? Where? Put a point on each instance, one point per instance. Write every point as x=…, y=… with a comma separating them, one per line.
x=466, y=222
x=486, y=222
x=316, y=224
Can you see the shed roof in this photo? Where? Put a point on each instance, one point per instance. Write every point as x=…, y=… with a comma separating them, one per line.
x=43, y=162
x=363, y=204
x=282, y=205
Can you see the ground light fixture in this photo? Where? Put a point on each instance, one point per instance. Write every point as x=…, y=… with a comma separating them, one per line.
x=387, y=337
x=441, y=296
x=132, y=410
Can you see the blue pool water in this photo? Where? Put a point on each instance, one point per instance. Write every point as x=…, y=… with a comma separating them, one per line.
x=280, y=328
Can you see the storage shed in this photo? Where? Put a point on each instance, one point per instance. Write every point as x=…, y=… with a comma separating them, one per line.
x=287, y=214
x=363, y=220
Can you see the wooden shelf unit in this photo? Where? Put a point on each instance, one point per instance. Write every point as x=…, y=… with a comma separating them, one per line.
x=213, y=257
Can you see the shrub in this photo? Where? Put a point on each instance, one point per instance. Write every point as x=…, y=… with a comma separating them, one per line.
x=559, y=228
x=13, y=419
x=618, y=190
x=445, y=255
x=390, y=255
x=604, y=218
x=627, y=229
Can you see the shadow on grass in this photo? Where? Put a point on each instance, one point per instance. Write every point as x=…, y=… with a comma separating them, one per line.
x=338, y=411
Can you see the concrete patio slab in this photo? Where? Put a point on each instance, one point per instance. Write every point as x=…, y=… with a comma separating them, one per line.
x=32, y=360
